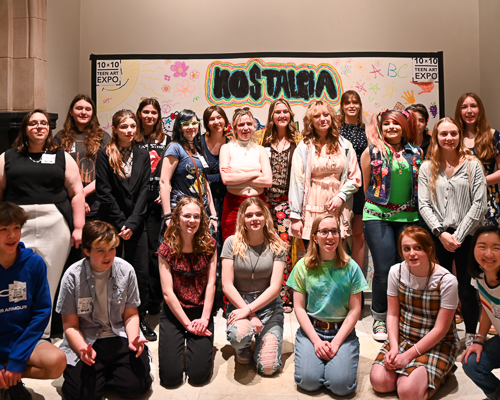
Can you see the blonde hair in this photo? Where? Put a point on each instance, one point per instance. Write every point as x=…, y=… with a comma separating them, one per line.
x=271, y=237
x=312, y=258
x=238, y=114
x=309, y=133
x=434, y=152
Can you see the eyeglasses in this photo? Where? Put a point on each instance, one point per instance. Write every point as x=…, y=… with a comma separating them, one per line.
x=36, y=123
x=186, y=124
x=326, y=232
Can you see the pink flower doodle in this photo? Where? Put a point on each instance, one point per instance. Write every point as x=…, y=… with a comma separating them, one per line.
x=185, y=90
x=194, y=75
x=180, y=69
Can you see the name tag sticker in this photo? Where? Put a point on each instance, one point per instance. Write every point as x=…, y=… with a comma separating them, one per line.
x=203, y=161
x=48, y=159
x=85, y=305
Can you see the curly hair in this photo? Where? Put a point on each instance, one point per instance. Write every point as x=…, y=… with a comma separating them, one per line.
x=21, y=143
x=484, y=147
x=158, y=134
x=271, y=133
x=434, y=152
x=203, y=242
x=271, y=237
x=309, y=133
x=92, y=133
x=312, y=259
x=115, y=157
x=351, y=95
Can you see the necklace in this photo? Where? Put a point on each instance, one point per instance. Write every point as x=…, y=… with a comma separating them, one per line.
x=37, y=161
x=256, y=262
x=400, y=160
x=245, y=144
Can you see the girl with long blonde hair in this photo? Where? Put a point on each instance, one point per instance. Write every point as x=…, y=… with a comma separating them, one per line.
x=327, y=287
x=452, y=201
x=324, y=174
x=253, y=260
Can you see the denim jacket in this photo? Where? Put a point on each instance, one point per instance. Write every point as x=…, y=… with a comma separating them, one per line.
x=379, y=189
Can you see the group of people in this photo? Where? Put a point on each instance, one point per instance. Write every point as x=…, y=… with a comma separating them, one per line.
x=190, y=210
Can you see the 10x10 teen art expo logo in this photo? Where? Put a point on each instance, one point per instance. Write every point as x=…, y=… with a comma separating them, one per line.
x=257, y=82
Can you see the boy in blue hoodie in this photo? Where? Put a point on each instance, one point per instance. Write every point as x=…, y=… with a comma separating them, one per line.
x=25, y=309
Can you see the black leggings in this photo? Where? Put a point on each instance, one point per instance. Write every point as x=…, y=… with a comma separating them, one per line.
x=466, y=292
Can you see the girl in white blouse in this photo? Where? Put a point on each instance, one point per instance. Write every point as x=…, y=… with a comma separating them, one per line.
x=452, y=201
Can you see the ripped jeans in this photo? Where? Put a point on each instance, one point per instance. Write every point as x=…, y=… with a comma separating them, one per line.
x=268, y=342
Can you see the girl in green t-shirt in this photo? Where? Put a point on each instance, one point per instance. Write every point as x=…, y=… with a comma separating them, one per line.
x=327, y=286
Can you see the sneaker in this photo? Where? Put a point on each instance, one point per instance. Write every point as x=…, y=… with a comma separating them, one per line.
x=379, y=331
x=469, y=338
x=17, y=392
x=148, y=333
x=244, y=356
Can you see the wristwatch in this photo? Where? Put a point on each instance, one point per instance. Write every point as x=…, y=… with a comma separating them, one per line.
x=438, y=231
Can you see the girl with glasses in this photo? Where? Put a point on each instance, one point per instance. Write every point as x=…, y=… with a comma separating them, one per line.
x=327, y=287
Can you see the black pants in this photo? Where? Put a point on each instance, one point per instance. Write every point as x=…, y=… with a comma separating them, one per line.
x=116, y=367
x=153, y=223
x=173, y=338
x=136, y=253
x=466, y=292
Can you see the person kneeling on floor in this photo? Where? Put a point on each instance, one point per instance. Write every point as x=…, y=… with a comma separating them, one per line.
x=98, y=302
x=25, y=309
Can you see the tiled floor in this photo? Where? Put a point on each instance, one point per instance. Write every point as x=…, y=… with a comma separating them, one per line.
x=234, y=381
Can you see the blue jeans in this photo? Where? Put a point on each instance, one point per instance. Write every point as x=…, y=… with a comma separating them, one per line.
x=382, y=239
x=481, y=373
x=338, y=374
x=268, y=343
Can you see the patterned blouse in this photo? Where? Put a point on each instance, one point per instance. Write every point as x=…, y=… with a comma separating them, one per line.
x=189, y=275
x=357, y=137
x=280, y=167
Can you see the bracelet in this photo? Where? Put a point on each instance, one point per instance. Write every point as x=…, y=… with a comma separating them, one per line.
x=478, y=342
x=166, y=216
x=249, y=309
x=480, y=336
x=213, y=218
x=416, y=348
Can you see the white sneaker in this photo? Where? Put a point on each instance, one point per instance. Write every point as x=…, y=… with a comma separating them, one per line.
x=469, y=338
x=244, y=356
x=379, y=331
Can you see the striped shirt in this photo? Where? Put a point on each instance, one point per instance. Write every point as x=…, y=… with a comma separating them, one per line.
x=460, y=202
